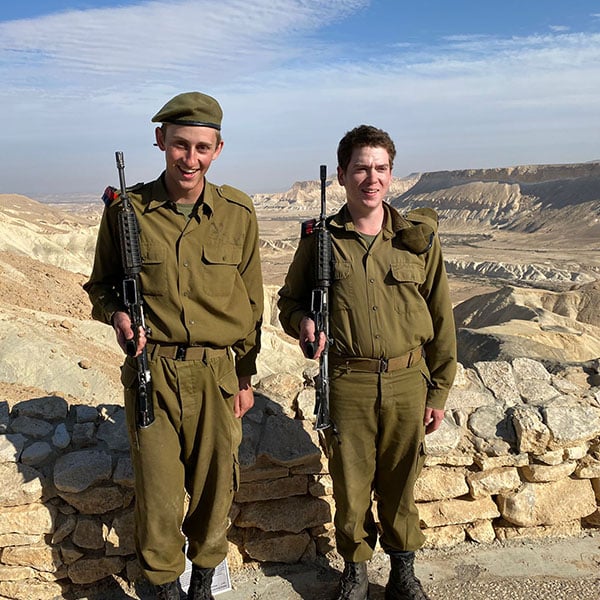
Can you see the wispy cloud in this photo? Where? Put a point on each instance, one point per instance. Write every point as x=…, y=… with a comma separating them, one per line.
x=86, y=81
x=162, y=41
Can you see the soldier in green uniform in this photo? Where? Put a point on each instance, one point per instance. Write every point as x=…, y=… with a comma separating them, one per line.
x=203, y=300
x=392, y=360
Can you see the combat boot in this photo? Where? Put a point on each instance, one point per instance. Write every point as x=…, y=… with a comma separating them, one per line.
x=200, y=584
x=403, y=584
x=167, y=591
x=354, y=583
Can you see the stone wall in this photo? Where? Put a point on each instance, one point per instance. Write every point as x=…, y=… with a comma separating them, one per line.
x=517, y=455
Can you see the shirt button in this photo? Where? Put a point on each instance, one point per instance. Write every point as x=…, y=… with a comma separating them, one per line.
x=192, y=322
x=186, y=264
x=374, y=308
x=371, y=280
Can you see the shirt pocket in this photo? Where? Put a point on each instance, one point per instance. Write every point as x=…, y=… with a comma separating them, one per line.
x=153, y=276
x=342, y=289
x=405, y=279
x=221, y=261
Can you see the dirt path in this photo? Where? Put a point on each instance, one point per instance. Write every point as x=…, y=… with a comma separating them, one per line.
x=567, y=569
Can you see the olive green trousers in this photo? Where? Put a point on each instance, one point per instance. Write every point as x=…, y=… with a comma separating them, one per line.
x=190, y=449
x=376, y=456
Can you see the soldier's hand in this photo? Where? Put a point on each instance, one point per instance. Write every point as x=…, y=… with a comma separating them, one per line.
x=244, y=399
x=122, y=326
x=433, y=419
x=307, y=336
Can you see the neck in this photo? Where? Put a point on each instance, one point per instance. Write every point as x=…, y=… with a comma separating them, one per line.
x=180, y=195
x=369, y=223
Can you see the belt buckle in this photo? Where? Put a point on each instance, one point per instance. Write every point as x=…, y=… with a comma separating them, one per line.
x=383, y=365
x=180, y=353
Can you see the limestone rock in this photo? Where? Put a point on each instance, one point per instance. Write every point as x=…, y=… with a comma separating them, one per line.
x=439, y=483
x=77, y=471
x=571, y=424
x=532, y=434
x=88, y=570
x=543, y=473
x=27, y=519
x=20, y=484
x=493, y=481
x=276, y=547
x=289, y=514
x=454, y=512
x=548, y=503
x=498, y=377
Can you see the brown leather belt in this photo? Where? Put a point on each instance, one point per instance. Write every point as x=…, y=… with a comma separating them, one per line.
x=377, y=365
x=182, y=352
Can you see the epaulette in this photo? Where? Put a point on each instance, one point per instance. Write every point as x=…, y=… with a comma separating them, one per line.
x=308, y=227
x=234, y=195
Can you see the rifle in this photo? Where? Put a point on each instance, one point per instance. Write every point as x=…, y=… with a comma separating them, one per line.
x=131, y=258
x=319, y=311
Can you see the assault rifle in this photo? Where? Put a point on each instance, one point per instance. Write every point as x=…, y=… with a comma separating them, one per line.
x=131, y=258
x=319, y=310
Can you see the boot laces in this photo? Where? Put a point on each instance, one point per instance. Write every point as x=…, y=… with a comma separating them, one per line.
x=349, y=582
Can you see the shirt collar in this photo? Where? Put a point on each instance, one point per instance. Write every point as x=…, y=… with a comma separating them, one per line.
x=160, y=196
x=392, y=224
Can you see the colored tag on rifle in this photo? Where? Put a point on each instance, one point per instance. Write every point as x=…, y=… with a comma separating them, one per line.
x=309, y=227
x=109, y=196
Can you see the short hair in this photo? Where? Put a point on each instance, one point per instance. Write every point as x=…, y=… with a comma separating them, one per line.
x=164, y=127
x=361, y=136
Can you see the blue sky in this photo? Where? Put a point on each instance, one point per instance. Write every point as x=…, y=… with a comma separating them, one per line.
x=458, y=84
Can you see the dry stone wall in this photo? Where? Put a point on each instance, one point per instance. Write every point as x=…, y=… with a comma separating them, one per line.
x=518, y=455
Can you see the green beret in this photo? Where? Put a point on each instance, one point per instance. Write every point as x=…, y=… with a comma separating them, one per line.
x=191, y=108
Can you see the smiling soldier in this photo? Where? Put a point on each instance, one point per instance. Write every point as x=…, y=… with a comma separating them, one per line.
x=203, y=298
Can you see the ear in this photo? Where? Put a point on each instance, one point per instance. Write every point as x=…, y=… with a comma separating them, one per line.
x=160, y=138
x=218, y=149
x=340, y=176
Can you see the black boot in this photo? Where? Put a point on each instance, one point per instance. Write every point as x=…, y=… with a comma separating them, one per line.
x=167, y=591
x=403, y=584
x=354, y=583
x=200, y=584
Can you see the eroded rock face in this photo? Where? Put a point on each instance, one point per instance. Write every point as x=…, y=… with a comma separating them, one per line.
x=555, y=327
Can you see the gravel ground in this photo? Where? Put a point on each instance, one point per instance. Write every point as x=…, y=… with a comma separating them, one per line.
x=565, y=569
x=550, y=569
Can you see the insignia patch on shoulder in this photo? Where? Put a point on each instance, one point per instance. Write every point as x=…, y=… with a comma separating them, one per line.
x=109, y=196
x=308, y=227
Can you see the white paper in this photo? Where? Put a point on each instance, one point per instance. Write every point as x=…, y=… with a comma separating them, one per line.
x=221, y=581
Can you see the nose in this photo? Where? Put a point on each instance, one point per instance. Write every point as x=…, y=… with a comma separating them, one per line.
x=191, y=157
x=371, y=174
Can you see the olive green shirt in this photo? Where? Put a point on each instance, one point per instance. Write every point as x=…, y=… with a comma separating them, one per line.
x=386, y=298
x=201, y=276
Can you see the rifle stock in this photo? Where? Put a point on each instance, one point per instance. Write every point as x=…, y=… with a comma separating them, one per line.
x=320, y=310
x=131, y=259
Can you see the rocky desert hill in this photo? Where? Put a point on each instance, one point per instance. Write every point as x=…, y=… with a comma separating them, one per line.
x=521, y=246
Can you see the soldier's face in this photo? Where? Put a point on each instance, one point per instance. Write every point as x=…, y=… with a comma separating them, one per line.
x=367, y=178
x=189, y=152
